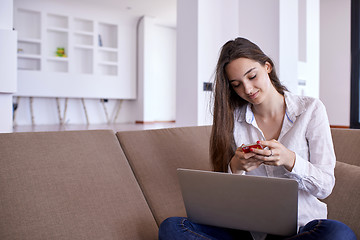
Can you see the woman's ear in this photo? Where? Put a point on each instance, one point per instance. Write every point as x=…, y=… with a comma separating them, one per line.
x=268, y=67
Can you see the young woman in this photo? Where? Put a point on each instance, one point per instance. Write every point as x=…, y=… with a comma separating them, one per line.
x=252, y=106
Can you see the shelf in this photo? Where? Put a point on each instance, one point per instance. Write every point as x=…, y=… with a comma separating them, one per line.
x=28, y=48
x=31, y=64
x=108, y=56
x=108, y=63
x=108, y=35
x=107, y=49
x=56, y=40
x=30, y=56
x=83, y=25
x=29, y=40
x=58, y=59
x=83, y=46
x=57, y=29
x=84, y=33
x=56, y=65
x=57, y=21
x=81, y=39
x=28, y=24
x=83, y=59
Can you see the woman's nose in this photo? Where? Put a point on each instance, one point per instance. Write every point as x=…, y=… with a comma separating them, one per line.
x=248, y=88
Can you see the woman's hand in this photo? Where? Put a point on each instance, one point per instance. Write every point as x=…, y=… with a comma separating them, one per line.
x=244, y=161
x=276, y=154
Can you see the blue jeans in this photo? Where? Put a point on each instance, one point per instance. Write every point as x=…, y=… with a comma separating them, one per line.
x=181, y=228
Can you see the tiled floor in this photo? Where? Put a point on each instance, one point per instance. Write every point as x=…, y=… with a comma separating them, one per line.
x=115, y=127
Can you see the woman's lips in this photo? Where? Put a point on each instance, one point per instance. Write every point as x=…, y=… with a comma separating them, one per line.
x=253, y=96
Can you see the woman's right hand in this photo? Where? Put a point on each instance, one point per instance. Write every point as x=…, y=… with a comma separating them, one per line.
x=244, y=161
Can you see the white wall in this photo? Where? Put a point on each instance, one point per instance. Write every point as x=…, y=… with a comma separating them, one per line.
x=309, y=48
x=288, y=44
x=202, y=28
x=187, y=62
x=45, y=111
x=264, y=29
x=8, y=85
x=275, y=32
x=156, y=72
x=335, y=77
x=218, y=23
x=326, y=68
x=164, y=85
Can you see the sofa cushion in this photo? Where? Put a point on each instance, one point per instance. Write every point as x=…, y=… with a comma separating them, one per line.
x=343, y=203
x=154, y=156
x=69, y=185
x=344, y=142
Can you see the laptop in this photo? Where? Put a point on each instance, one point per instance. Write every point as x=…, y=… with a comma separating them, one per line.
x=252, y=203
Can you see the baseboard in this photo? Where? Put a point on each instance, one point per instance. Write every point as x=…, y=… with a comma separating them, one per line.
x=339, y=126
x=173, y=121
x=148, y=122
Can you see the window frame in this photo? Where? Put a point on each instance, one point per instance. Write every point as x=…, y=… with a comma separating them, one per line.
x=355, y=64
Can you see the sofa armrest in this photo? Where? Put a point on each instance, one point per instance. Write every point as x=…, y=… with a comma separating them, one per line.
x=343, y=203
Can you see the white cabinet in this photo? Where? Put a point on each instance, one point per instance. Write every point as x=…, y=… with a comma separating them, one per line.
x=57, y=52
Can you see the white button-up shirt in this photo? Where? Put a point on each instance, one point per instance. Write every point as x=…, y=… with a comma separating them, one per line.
x=306, y=132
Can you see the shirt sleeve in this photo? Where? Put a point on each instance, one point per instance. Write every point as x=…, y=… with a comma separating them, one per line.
x=316, y=176
x=240, y=173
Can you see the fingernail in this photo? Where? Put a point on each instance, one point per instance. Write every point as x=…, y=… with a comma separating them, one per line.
x=258, y=142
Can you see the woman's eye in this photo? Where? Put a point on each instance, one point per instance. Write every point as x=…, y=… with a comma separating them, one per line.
x=236, y=85
x=252, y=77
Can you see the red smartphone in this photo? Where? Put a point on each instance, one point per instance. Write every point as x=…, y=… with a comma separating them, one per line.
x=246, y=148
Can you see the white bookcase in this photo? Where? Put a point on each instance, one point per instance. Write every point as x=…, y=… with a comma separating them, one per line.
x=89, y=66
x=57, y=36
x=107, y=49
x=29, y=40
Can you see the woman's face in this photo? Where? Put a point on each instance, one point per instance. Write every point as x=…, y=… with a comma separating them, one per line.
x=249, y=79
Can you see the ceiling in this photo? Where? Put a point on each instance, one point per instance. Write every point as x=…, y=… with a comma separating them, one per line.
x=164, y=11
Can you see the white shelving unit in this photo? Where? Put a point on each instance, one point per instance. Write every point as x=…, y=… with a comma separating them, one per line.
x=90, y=64
x=29, y=40
x=84, y=45
x=57, y=36
x=107, y=49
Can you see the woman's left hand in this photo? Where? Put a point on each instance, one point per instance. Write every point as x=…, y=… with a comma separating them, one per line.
x=276, y=154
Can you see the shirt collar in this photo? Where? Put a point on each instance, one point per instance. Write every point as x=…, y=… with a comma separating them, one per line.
x=295, y=106
x=245, y=113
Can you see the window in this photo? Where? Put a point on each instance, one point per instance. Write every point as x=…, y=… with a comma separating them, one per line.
x=355, y=64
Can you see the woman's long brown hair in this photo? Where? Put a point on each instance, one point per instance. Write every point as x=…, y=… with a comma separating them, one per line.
x=226, y=100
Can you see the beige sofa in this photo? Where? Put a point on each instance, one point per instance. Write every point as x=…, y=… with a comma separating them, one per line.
x=98, y=184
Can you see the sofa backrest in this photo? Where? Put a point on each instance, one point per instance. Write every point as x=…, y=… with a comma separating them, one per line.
x=154, y=156
x=69, y=185
x=347, y=145
x=79, y=184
